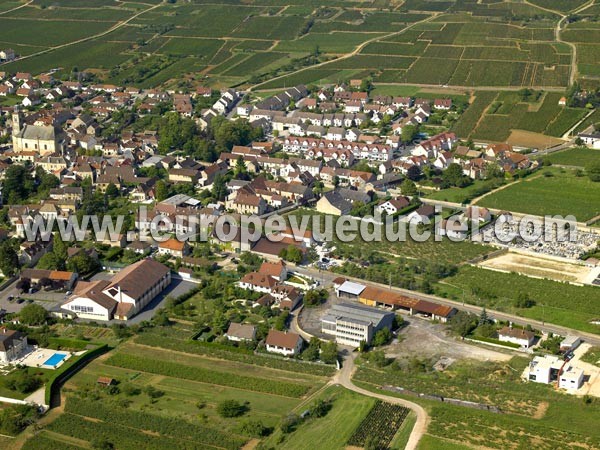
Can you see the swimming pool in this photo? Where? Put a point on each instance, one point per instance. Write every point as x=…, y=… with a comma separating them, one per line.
x=55, y=359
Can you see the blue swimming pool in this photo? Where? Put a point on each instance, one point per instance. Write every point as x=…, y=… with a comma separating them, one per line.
x=55, y=359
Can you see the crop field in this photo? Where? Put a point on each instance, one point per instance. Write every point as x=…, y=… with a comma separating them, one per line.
x=561, y=192
x=556, y=302
x=467, y=43
x=493, y=116
x=380, y=425
x=169, y=399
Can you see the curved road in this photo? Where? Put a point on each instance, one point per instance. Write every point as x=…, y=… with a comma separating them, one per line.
x=344, y=378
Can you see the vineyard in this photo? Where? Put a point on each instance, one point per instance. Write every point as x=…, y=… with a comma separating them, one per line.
x=219, y=378
x=380, y=426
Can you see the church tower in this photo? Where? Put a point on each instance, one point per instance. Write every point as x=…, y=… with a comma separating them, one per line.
x=17, y=120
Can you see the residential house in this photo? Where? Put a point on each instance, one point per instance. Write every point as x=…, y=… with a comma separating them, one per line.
x=284, y=343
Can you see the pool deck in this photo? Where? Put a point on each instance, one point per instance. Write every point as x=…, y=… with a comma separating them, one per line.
x=39, y=356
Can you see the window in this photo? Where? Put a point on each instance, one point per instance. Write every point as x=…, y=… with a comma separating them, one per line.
x=83, y=309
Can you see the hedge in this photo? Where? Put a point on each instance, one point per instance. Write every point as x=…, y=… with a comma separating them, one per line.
x=68, y=369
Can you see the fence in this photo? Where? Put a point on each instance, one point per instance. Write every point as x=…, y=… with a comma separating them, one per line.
x=439, y=398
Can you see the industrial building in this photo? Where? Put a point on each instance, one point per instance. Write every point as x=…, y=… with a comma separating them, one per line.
x=352, y=323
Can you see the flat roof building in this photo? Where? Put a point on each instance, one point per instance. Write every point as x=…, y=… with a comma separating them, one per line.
x=352, y=323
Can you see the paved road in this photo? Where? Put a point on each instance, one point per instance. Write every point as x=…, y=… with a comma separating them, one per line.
x=344, y=378
x=326, y=277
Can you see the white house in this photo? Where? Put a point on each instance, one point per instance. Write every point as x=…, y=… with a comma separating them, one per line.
x=544, y=369
x=571, y=378
x=239, y=332
x=284, y=343
x=522, y=337
x=591, y=140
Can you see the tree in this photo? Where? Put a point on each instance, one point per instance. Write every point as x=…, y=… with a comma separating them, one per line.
x=33, y=314
x=408, y=187
x=231, y=408
x=291, y=253
x=382, y=337
x=289, y=423
x=17, y=184
x=311, y=353
x=48, y=261
x=320, y=408
x=414, y=173
x=254, y=428
x=112, y=191
x=219, y=189
x=463, y=323
x=329, y=352
x=454, y=176
x=409, y=133
x=523, y=301
x=315, y=297
x=9, y=260
x=59, y=248
x=23, y=284
x=82, y=263
x=102, y=444
x=483, y=317
x=162, y=190
x=593, y=171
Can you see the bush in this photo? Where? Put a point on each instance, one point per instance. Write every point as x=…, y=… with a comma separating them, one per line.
x=231, y=408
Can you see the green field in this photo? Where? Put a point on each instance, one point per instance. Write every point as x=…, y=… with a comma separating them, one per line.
x=580, y=157
x=556, y=302
x=563, y=193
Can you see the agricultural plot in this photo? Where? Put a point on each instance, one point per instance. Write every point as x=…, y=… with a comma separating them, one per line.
x=563, y=193
x=347, y=411
x=486, y=47
x=380, y=425
x=507, y=112
x=52, y=32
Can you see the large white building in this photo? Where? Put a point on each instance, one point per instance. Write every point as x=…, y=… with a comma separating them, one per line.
x=125, y=295
x=352, y=324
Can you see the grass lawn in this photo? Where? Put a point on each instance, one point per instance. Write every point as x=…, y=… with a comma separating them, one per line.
x=592, y=356
x=562, y=193
x=347, y=411
x=466, y=194
x=429, y=442
x=580, y=156
x=556, y=302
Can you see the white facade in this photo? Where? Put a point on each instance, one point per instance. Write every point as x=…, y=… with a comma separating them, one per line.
x=572, y=378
